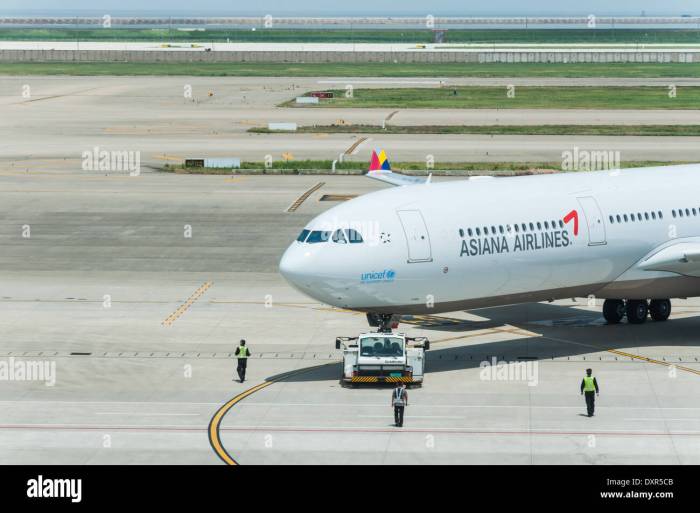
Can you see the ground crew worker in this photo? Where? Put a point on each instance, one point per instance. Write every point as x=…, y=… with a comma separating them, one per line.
x=242, y=352
x=589, y=387
x=399, y=400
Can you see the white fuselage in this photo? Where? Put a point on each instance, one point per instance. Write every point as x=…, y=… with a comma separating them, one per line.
x=446, y=246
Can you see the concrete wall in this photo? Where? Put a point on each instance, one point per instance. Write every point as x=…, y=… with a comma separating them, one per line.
x=340, y=57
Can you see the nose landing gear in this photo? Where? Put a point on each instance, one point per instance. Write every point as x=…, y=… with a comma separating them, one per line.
x=636, y=310
x=384, y=322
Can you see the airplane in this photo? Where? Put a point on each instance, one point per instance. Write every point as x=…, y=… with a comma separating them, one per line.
x=630, y=237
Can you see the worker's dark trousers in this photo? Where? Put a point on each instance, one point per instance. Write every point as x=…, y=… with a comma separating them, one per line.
x=242, y=362
x=590, y=402
x=398, y=415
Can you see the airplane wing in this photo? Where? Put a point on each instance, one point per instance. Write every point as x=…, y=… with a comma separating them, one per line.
x=397, y=178
x=681, y=258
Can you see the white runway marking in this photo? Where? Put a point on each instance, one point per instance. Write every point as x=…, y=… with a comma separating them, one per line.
x=382, y=82
x=646, y=420
x=345, y=429
x=142, y=414
x=410, y=417
x=171, y=403
x=460, y=429
x=476, y=406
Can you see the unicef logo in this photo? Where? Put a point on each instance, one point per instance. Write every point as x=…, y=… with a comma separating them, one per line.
x=377, y=276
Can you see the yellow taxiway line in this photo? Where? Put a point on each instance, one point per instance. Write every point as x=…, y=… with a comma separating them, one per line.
x=215, y=423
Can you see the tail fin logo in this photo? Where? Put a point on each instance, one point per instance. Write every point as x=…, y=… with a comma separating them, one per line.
x=379, y=162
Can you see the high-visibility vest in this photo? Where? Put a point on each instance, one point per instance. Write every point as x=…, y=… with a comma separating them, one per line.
x=399, y=397
x=588, y=385
x=242, y=352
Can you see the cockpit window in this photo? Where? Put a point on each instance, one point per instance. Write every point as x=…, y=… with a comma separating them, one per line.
x=339, y=236
x=354, y=236
x=318, y=236
x=303, y=235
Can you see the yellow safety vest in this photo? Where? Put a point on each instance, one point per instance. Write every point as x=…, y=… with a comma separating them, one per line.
x=588, y=385
x=242, y=352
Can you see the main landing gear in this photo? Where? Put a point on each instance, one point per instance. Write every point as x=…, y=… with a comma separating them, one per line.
x=636, y=310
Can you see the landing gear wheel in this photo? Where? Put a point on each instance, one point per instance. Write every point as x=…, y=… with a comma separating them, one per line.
x=659, y=309
x=637, y=311
x=382, y=321
x=613, y=310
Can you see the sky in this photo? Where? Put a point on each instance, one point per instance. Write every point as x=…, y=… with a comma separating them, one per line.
x=358, y=7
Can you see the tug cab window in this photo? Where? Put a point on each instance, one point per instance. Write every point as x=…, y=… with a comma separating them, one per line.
x=381, y=346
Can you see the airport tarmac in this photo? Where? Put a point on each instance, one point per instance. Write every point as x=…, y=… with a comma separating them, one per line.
x=59, y=118
x=101, y=276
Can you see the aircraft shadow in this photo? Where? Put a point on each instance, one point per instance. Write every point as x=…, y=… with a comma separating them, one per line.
x=572, y=333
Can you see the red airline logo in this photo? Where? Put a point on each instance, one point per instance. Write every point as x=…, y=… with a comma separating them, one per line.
x=572, y=215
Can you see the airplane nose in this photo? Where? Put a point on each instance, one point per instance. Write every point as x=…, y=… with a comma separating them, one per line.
x=292, y=266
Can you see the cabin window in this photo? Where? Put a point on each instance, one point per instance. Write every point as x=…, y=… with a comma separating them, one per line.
x=661, y=214
x=478, y=232
x=469, y=231
x=461, y=232
x=673, y=212
x=653, y=215
x=611, y=220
